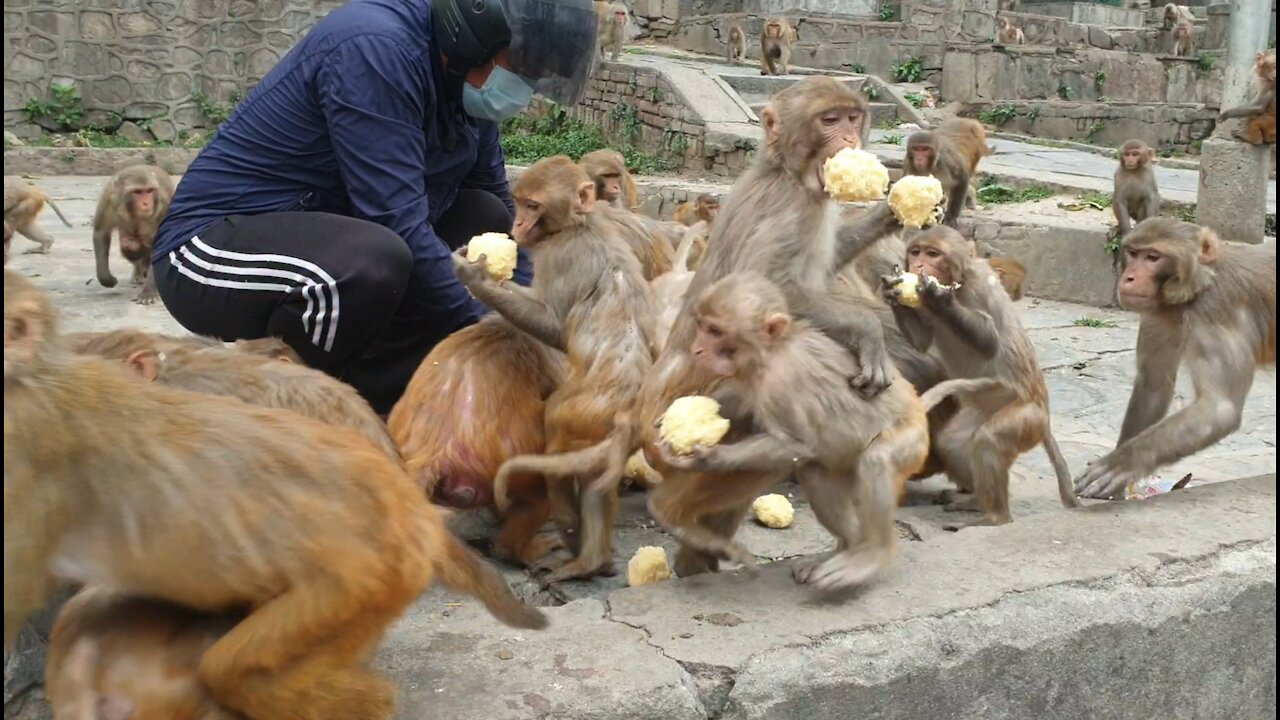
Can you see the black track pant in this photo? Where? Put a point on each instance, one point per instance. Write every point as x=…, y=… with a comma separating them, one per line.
x=329, y=286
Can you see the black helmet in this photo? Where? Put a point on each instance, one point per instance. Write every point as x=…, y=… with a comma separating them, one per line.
x=550, y=43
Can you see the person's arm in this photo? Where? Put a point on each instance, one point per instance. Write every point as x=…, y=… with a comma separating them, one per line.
x=490, y=174
x=373, y=96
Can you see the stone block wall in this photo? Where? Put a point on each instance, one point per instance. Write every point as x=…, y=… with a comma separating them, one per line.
x=1090, y=13
x=145, y=62
x=1164, y=126
x=637, y=106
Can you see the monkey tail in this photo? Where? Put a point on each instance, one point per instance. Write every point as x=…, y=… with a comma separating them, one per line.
x=577, y=462
x=463, y=570
x=61, y=217
x=989, y=150
x=1066, y=489
x=684, y=248
x=965, y=386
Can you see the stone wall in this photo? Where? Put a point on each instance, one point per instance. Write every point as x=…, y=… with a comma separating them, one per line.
x=1090, y=13
x=637, y=106
x=982, y=74
x=146, y=63
x=1165, y=126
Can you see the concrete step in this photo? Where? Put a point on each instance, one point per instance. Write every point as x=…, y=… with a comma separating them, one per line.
x=880, y=111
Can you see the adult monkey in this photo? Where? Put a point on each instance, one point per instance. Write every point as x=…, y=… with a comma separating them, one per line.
x=1206, y=305
x=614, y=185
x=777, y=221
x=132, y=205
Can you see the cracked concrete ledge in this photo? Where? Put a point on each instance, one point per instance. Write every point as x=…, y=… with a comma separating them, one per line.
x=1157, y=608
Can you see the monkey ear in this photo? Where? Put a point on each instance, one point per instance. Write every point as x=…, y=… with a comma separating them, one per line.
x=776, y=326
x=145, y=363
x=586, y=199
x=24, y=334
x=1151, y=156
x=1209, y=243
x=769, y=121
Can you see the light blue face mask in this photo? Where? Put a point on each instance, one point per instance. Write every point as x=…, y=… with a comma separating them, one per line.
x=503, y=95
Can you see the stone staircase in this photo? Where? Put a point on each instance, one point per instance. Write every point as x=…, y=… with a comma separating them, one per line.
x=756, y=90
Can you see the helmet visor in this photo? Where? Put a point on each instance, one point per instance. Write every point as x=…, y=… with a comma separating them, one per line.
x=553, y=45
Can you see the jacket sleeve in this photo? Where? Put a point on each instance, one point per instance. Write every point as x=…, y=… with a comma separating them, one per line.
x=490, y=175
x=375, y=104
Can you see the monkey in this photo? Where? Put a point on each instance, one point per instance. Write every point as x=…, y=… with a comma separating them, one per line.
x=219, y=506
x=1004, y=402
x=1173, y=14
x=777, y=220
x=272, y=347
x=1136, y=196
x=776, y=40
x=1261, y=110
x=736, y=47
x=1012, y=275
x=649, y=239
x=703, y=209
x=1183, y=38
x=1206, y=306
x=951, y=152
x=589, y=299
x=258, y=379
x=614, y=185
x=1009, y=34
x=120, y=343
x=22, y=203
x=669, y=290
x=787, y=381
x=476, y=400
x=113, y=657
x=611, y=20
x=133, y=203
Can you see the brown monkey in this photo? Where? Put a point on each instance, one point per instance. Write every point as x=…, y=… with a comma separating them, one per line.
x=611, y=23
x=1173, y=14
x=258, y=379
x=589, y=300
x=1261, y=110
x=669, y=290
x=1009, y=34
x=780, y=222
x=776, y=40
x=218, y=506
x=614, y=185
x=1207, y=306
x=703, y=209
x=1012, y=275
x=133, y=203
x=272, y=347
x=1004, y=402
x=788, y=381
x=736, y=47
x=22, y=203
x=951, y=152
x=113, y=657
x=1183, y=38
x=477, y=399
x=650, y=240
x=1136, y=196
x=120, y=343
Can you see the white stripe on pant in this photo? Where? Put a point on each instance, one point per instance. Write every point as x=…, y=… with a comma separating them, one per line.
x=249, y=265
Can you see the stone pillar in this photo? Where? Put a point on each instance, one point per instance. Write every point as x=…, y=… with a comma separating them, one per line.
x=1233, y=174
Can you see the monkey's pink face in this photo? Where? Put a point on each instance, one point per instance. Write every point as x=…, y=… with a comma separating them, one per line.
x=620, y=18
x=142, y=201
x=609, y=187
x=1145, y=270
x=714, y=350
x=1133, y=159
x=925, y=259
x=921, y=159
x=773, y=30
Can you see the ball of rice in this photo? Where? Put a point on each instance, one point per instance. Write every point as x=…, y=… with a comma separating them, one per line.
x=855, y=176
x=691, y=421
x=773, y=511
x=499, y=252
x=914, y=200
x=648, y=565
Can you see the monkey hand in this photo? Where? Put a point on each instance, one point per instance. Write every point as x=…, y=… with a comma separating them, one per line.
x=1106, y=478
x=935, y=294
x=471, y=274
x=889, y=289
x=696, y=461
x=877, y=372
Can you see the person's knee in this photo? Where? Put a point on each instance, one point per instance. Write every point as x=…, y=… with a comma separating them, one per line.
x=486, y=212
x=384, y=263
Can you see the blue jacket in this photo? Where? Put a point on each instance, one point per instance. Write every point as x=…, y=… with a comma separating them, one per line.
x=350, y=122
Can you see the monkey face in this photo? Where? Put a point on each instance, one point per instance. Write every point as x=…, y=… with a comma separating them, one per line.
x=609, y=187
x=707, y=208
x=921, y=158
x=928, y=259
x=620, y=17
x=528, y=228
x=142, y=202
x=1145, y=271
x=773, y=29
x=1132, y=159
x=715, y=350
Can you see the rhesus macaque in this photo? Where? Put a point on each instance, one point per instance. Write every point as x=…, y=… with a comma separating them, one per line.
x=614, y=185
x=476, y=400
x=1136, y=196
x=951, y=153
x=272, y=347
x=113, y=657
x=788, y=381
x=120, y=343
x=777, y=221
x=259, y=379
x=1009, y=34
x=22, y=203
x=1261, y=110
x=776, y=40
x=703, y=209
x=1004, y=402
x=1207, y=306
x=589, y=299
x=218, y=506
x=649, y=239
x=1012, y=275
x=669, y=290
x=1173, y=14
x=132, y=204
x=736, y=47
x=1184, y=38
x=611, y=24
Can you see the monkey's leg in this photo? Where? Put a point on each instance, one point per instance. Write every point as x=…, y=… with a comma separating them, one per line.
x=34, y=232
x=599, y=501
x=995, y=446
x=952, y=446
x=682, y=508
x=101, y=254
x=149, y=293
x=832, y=501
x=520, y=540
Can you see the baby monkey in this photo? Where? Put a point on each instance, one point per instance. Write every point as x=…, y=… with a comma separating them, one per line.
x=789, y=381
